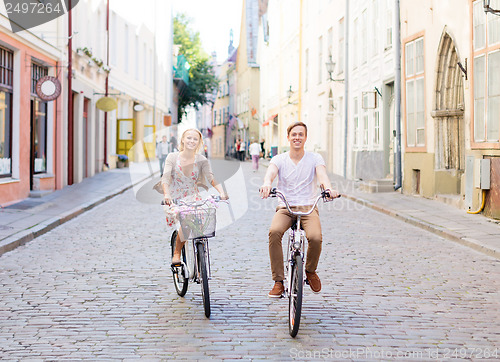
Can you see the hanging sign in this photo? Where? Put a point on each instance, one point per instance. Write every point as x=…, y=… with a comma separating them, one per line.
x=106, y=104
x=48, y=88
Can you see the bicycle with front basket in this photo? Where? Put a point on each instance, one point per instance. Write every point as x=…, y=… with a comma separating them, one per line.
x=295, y=261
x=198, y=222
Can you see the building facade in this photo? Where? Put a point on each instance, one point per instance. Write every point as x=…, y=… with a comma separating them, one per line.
x=30, y=127
x=450, y=61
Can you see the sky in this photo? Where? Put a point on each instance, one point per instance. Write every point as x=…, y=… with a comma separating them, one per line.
x=213, y=19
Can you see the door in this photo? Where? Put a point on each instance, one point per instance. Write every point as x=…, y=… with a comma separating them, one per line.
x=38, y=159
x=85, y=137
x=125, y=137
x=149, y=142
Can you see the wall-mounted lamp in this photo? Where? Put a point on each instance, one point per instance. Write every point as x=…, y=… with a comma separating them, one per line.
x=330, y=67
x=488, y=9
x=289, y=94
x=463, y=68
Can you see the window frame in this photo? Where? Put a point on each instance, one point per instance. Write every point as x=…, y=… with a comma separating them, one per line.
x=485, y=51
x=8, y=87
x=413, y=77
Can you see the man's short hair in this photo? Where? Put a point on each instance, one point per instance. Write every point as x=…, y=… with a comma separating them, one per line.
x=295, y=124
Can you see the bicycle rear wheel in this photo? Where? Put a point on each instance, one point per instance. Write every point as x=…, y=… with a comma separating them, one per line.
x=178, y=272
x=295, y=296
x=202, y=265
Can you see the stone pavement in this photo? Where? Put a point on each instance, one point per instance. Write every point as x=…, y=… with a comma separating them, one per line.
x=99, y=288
x=472, y=230
x=24, y=221
x=32, y=217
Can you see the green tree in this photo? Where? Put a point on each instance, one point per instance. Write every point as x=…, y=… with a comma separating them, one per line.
x=202, y=79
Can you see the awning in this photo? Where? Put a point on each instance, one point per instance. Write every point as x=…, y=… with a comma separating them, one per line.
x=268, y=120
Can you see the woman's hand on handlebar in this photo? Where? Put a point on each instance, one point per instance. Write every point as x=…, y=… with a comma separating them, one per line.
x=167, y=200
x=224, y=196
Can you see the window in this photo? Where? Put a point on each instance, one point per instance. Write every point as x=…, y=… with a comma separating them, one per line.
x=486, y=39
x=38, y=122
x=341, y=46
x=356, y=123
x=320, y=58
x=388, y=24
x=364, y=38
x=125, y=48
x=376, y=128
x=415, y=105
x=306, y=70
x=375, y=27
x=6, y=69
x=355, y=44
x=365, y=129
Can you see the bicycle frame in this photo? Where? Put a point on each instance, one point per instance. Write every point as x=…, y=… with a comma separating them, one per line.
x=296, y=236
x=191, y=270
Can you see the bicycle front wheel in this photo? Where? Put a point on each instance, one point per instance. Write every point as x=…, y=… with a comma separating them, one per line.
x=202, y=265
x=178, y=272
x=295, y=296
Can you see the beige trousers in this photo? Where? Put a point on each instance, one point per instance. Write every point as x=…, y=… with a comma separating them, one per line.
x=282, y=220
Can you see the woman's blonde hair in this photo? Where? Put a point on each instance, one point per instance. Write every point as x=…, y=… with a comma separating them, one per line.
x=200, y=145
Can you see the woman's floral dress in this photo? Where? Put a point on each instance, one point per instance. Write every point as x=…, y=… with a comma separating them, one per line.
x=182, y=188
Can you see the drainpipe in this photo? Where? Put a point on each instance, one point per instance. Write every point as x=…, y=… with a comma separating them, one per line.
x=397, y=91
x=107, y=88
x=70, y=96
x=346, y=84
x=299, y=118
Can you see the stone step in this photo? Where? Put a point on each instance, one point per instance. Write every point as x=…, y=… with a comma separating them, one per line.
x=40, y=193
x=373, y=186
x=451, y=199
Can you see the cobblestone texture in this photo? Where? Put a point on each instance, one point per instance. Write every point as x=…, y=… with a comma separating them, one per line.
x=100, y=288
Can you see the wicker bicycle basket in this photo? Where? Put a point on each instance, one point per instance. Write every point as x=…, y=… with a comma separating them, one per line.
x=198, y=222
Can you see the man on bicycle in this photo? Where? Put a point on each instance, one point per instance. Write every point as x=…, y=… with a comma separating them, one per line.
x=298, y=172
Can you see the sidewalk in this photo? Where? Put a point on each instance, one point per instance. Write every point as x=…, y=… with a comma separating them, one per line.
x=475, y=231
x=32, y=217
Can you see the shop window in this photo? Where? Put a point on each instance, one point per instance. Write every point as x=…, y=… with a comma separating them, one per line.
x=6, y=70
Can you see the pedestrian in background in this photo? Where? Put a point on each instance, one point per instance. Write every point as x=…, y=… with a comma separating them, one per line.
x=162, y=152
x=255, y=153
x=242, y=150
x=237, y=146
x=173, y=143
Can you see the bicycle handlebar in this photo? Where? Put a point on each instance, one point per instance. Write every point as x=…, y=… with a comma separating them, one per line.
x=195, y=203
x=275, y=193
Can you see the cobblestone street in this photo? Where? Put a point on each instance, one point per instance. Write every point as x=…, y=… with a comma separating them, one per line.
x=99, y=287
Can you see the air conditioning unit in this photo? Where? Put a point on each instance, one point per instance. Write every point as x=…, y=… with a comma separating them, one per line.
x=482, y=173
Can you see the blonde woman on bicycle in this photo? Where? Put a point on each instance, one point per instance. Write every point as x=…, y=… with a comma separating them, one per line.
x=184, y=171
x=298, y=173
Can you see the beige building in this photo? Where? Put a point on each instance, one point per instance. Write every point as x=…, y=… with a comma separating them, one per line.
x=247, y=70
x=450, y=96
x=221, y=113
x=279, y=51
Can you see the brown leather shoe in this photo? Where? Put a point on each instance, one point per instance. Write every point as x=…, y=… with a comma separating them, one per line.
x=277, y=291
x=313, y=281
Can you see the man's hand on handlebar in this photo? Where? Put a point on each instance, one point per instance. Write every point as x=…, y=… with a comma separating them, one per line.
x=264, y=191
x=331, y=194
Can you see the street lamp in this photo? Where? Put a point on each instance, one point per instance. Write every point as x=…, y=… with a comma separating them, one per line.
x=488, y=9
x=330, y=67
x=289, y=93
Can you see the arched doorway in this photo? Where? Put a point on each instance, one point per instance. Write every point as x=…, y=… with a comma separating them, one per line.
x=448, y=115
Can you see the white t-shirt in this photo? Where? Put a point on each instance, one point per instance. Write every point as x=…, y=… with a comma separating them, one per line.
x=254, y=149
x=298, y=181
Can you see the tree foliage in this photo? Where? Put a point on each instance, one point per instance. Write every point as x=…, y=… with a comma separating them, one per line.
x=202, y=79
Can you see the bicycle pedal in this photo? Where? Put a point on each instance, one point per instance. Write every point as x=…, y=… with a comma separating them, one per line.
x=306, y=281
